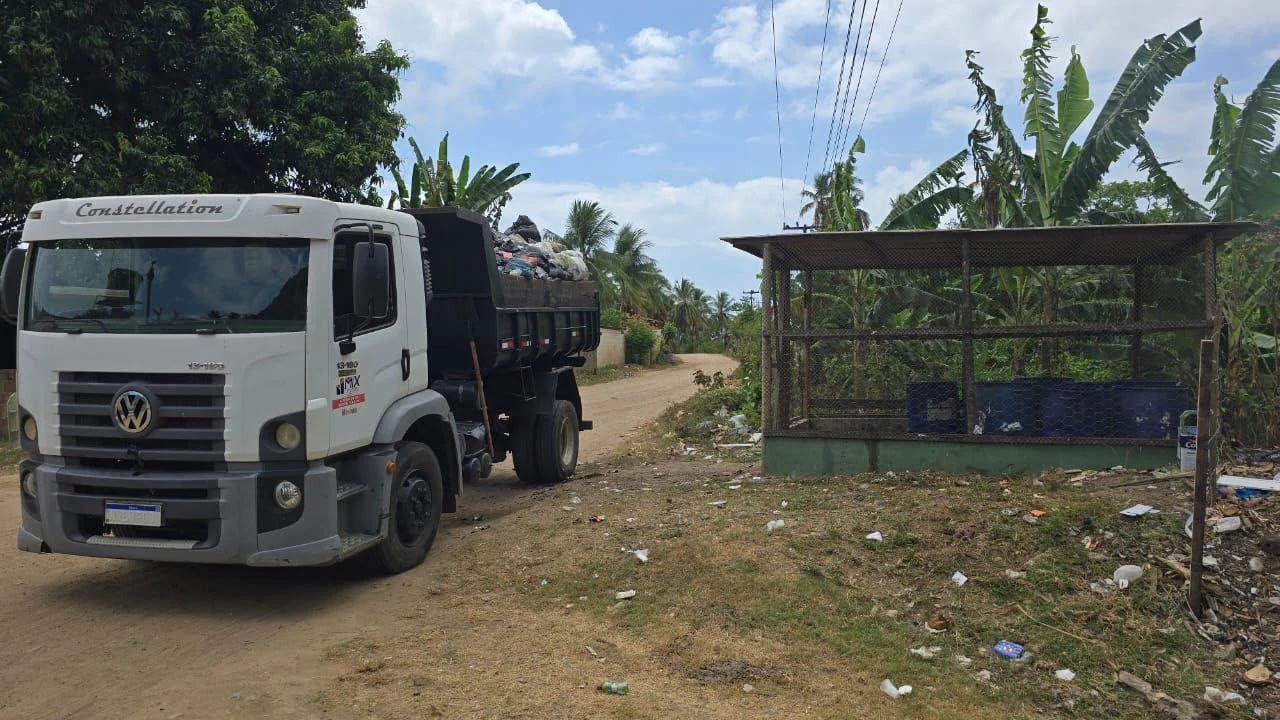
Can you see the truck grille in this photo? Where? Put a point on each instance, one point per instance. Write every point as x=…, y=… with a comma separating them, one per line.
x=188, y=417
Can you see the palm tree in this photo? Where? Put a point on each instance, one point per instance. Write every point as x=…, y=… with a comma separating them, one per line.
x=689, y=309
x=1245, y=166
x=588, y=228
x=720, y=309
x=818, y=200
x=434, y=184
x=639, y=281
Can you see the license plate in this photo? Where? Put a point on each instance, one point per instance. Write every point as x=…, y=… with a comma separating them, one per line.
x=131, y=513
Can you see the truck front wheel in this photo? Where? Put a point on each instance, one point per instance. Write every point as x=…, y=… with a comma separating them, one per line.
x=557, y=443
x=414, y=509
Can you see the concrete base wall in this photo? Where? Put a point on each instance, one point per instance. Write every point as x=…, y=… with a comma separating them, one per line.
x=612, y=351
x=837, y=456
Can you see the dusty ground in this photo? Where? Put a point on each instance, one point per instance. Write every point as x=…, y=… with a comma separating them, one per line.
x=112, y=639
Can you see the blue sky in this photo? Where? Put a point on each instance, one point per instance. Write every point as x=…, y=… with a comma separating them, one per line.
x=664, y=111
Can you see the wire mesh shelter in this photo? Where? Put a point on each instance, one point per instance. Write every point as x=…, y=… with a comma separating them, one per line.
x=990, y=350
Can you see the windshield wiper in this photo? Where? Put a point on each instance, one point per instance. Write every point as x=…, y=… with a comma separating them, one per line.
x=58, y=324
x=207, y=326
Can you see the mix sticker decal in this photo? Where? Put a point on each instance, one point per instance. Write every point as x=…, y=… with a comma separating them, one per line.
x=347, y=385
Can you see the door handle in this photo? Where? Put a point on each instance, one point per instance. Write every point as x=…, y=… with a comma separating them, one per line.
x=404, y=364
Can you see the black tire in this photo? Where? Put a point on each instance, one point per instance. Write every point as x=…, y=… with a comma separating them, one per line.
x=557, y=443
x=414, y=504
x=523, y=433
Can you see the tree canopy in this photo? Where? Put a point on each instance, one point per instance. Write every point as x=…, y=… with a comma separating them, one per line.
x=121, y=96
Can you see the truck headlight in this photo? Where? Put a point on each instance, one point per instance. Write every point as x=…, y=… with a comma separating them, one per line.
x=29, y=428
x=288, y=496
x=288, y=436
x=29, y=484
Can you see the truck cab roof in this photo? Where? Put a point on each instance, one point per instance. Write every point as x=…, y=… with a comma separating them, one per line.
x=256, y=215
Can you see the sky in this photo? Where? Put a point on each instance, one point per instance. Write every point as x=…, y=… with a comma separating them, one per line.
x=666, y=112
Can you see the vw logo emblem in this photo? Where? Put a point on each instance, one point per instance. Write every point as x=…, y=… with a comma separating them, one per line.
x=132, y=411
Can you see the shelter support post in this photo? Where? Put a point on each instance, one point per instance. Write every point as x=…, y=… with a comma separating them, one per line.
x=785, y=375
x=1207, y=425
x=966, y=325
x=806, y=321
x=1204, y=470
x=766, y=332
x=1135, y=342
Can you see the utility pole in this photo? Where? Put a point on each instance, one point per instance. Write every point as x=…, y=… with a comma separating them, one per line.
x=801, y=228
x=751, y=298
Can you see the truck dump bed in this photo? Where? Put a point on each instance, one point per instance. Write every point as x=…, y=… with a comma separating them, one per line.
x=515, y=321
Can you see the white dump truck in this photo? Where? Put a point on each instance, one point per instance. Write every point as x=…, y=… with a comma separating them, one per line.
x=277, y=380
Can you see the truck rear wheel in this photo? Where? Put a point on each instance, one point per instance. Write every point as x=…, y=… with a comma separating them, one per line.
x=557, y=443
x=524, y=431
x=413, y=510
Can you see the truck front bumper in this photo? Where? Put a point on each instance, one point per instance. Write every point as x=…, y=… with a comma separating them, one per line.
x=220, y=516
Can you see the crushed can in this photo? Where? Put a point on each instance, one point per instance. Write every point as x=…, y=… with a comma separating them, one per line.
x=1187, y=441
x=614, y=688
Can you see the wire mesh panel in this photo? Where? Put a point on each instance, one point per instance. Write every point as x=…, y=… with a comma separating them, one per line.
x=1101, y=345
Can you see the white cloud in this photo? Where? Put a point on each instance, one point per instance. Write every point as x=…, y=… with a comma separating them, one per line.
x=948, y=120
x=647, y=150
x=652, y=41
x=620, y=111
x=713, y=81
x=555, y=151
x=647, y=72
x=760, y=138
x=709, y=115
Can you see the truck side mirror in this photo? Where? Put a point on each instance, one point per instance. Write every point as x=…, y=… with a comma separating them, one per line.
x=371, y=280
x=11, y=283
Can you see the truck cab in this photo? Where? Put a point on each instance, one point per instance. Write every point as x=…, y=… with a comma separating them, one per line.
x=237, y=379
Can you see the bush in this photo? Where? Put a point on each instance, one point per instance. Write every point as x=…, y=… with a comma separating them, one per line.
x=611, y=318
x=639, y=341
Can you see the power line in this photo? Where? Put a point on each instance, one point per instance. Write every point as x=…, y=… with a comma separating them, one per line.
x=822, y=56
x=846, y=117
x=876, y=84
x=777, y=100
x=844, y=54
x=858, y=89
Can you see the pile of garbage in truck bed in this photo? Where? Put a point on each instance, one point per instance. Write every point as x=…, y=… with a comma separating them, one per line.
x=522, y=251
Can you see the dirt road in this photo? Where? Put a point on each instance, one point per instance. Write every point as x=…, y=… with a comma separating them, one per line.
x=89, y=638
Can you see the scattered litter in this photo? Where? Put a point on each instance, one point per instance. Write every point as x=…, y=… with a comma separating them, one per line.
x=1138, y=510
x=597, y=518
x=1065, y=675
x=1256, y=564
x=1014, y=574
x=773, y=525
x=1231, y=523
x=1179, y=709
x=1103, y=587
x=641, y=555
x=735, y=487
x=624, y=594
x=1090, y=542
x=748, y=687
x=1009, y=650
x=575, y=500
x=1209, y=561
x=939, y=623
x=784, y=504
x=875, y=536
x=545, y=582
x=1258, y=675
x=718, y=503
x=963, y=661
x=1125, y=575
x=1030, y=519
x=1009, y=512
x=1214, y=695
x=888, y=688
x=477, y=518
x=959, y=578
x=1250, y=483
x=1037, y=513
x=592, y=652
x=984, y=676
x=614, y=688
x=927, y=653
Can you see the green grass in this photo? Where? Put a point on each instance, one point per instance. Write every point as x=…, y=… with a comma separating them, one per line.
x=607, y=374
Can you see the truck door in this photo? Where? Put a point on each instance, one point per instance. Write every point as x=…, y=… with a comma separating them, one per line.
x=366, y=357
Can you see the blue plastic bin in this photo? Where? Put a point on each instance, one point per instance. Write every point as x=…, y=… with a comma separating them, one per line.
x=934, y=407
x=1083, y=409
x=1011, y=407
x=1149, y=409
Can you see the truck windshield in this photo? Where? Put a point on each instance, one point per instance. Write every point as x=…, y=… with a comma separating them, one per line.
x=150, y=285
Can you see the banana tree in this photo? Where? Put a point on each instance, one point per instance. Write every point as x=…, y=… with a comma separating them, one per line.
x=939, y=192
x=433, y=183
x=1245, y=166
x=845, y=210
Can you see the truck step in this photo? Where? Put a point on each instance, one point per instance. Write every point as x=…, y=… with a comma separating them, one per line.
x=350, y=489
x=352, y=544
